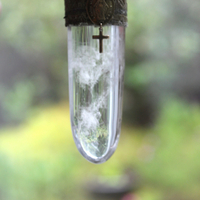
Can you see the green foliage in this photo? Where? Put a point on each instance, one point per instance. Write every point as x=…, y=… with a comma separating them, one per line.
x=174, y=164
x=162, y=48
x=33, y=26
x=42, y=165
x=161, y=40
x=16, y=101
x=39, y=160
x=35, y=33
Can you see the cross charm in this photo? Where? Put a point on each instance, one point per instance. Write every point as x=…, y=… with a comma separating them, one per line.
x=100, y=37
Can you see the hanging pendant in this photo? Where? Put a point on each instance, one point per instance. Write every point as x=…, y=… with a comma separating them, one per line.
x=96, y=70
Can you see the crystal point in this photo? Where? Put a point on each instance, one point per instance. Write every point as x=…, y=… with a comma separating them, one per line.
x=95, y=90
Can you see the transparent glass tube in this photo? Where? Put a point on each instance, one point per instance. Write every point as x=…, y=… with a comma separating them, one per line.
x=95, y=89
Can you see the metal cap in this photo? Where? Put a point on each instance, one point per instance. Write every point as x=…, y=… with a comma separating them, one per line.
x=96, y=12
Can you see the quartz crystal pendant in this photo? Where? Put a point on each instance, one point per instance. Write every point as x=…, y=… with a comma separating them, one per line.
x=95, y=89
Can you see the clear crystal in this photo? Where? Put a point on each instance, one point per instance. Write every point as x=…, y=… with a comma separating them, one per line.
x=95, y=89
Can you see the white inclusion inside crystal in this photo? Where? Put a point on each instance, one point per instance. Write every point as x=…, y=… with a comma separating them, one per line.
x=90, y=116
x=89, y=65
x=89, y=120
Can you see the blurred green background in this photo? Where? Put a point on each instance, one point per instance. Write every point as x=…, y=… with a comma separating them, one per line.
x=159, y=145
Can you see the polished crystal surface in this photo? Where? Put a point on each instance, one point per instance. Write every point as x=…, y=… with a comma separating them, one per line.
x=95, y=90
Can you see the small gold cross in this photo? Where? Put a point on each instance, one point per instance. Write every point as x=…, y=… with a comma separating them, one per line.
x=100, y=37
